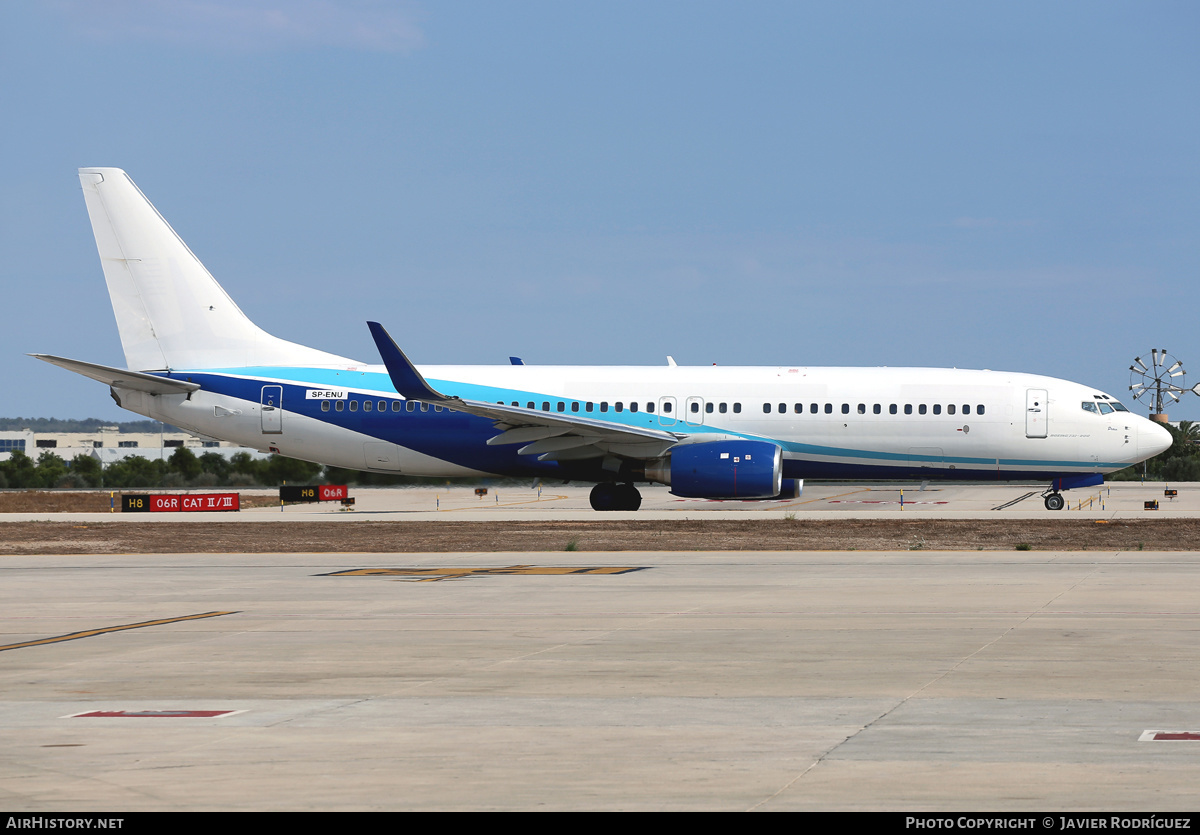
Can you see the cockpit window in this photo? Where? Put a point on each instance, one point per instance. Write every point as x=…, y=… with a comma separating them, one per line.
x=1117, y=405
x=1089, y=406
x=1105, y=409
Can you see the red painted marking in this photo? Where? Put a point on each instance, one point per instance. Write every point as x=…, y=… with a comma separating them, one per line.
x=332, y=492
x=195, y=502
x=169, y=714
x=1181, y=735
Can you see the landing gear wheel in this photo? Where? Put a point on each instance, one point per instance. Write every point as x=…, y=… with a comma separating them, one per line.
x=604, y=496
x=609, y=496
x=629, y=497
x=1055, y=501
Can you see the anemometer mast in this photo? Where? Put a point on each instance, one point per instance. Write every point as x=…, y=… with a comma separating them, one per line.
x=1157, y=382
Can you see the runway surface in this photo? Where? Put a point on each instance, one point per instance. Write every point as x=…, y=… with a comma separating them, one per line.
x=569, y=502
x=734, y=681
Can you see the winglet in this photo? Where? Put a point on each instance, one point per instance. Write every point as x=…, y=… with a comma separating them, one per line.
x=406, y=378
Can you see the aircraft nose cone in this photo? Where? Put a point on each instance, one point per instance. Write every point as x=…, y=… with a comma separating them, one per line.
x=1152, y=439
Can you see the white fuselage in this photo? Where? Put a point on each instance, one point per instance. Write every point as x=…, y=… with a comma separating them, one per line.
x=850, y=422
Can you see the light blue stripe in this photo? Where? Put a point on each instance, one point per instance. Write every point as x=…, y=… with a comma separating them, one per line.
x=377, y=381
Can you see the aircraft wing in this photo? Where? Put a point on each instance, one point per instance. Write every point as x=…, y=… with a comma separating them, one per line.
x=551, y=436
x=120, y=377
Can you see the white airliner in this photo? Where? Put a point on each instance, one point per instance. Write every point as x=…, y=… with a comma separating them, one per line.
x=196, y=361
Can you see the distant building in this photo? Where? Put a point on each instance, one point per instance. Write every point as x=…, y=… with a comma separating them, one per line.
x=109, y=444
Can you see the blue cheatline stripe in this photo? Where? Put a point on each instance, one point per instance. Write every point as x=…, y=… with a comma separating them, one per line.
x=464, y=444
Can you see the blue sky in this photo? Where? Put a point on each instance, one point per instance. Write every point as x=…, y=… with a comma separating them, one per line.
x=1003, y=185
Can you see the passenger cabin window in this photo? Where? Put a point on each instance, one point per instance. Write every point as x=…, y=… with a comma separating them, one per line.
x=922, y=409
x=604, y=405
x=574, y=407
x=723, y=408
x=620, y=407
x=324, y=405
x=814, y=408
x=829, y=408
x=354, y=405
x=877, y=408
x=798, y=408
x=667, y=408
x=892, y=409
x=908, y=408
x=782, y=408
x=633, y=406
x=695, y=408
x=737, y=408
x=937, y=408
x=862, y=408
x=395, y=405
x=966, y=409
x=708, y=408
x=562, y=407
x=545, y=405
x=650, y=408
x=950, y=409
x=766, y=408
x=587, y=407
x=409, y=405
x=979, y=410
x=366, y=405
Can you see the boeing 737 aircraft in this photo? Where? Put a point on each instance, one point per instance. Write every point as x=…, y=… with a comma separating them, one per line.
x=196, y=361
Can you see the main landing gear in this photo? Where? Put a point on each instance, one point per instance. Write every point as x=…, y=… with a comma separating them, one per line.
x=1054, y=500
x=609, y=496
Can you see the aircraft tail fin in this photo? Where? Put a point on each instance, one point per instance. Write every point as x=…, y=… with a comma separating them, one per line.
x=171, y=313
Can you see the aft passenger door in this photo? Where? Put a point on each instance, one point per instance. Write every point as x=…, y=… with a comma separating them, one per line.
x=272, y=410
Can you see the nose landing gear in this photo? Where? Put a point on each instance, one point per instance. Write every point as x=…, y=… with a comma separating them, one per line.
x=1054, y=500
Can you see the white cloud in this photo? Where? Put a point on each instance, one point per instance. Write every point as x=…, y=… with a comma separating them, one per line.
x=254, y=25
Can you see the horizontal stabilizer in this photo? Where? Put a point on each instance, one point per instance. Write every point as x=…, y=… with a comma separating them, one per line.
x=120, y=377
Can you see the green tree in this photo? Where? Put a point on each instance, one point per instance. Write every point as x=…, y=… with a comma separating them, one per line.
x=184, y=462
x=278, y=469
x=51, y=469
x=217, y=465
x=19, y=470
x=134, y=471
x=87, y=471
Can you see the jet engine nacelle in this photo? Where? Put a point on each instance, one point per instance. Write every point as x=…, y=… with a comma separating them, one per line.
x=734, y=469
